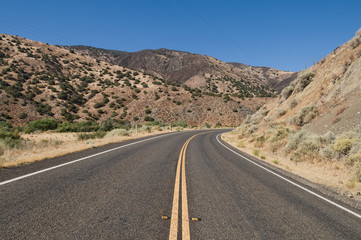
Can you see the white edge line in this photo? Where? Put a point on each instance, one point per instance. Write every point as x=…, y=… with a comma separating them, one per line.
x=80, y=159
x=291, y=182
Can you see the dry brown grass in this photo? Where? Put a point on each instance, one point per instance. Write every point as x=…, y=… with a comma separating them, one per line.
x=49, y=145
x=332, y=174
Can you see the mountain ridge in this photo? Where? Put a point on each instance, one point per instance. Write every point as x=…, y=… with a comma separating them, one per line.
x=185, y=67
x=39, y=80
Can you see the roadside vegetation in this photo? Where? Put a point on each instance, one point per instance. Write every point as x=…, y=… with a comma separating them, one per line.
x=317, y=100
x=44, y=137
x=281, y=139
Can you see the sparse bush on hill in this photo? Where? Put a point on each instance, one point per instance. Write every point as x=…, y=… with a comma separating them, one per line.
x=293, y=103
x=249, y=125
x=353, y=159
x=356, y=40
x=108, y=124
x=148, y=119
x=305, y=146
x=294, y=140
x=278, y=138
x=287, y=91
x=281, y=112
x=305, y=115
x=343, y=144
x=304, y=78
x=23, y=115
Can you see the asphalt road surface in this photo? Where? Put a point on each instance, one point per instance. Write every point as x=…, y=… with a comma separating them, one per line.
x=187, y=185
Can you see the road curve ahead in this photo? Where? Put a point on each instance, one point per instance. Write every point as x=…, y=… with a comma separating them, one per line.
x=187, y=185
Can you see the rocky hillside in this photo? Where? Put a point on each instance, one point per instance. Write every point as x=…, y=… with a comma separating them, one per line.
x=38, y=80
x=317, y=117
x=195, y=70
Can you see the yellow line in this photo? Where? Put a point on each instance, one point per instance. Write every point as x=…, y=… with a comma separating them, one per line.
x=174, y=217
x=185, y=217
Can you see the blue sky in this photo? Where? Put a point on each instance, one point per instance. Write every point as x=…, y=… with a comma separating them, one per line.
x=287, y=35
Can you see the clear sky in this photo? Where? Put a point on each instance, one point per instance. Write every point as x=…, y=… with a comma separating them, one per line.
x=284, y=34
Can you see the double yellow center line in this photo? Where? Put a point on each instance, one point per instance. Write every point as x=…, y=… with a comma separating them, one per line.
x=178, y=180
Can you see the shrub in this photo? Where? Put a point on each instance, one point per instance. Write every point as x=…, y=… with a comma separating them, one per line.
x=44, y=109
x=355, y=42
x=287, y=91
x=327, y=152
x=9, y=142
x=306, y=150
x=343, y=146
x=277, y=139
x=180, y=123
x=353, y=159
x=304, y=78
x=108, y=124
x=148, y=111
x=156, y=96
x=148, y=119
x=256, y=152
x=294, y=140
x=42, y=125
x=281, y=112
x=305, y=115
x=118, y=132
x=99, y=104
x=293, y=103
x=9, y=134
x=276, y=162
x=86, y=136
x=23, y=115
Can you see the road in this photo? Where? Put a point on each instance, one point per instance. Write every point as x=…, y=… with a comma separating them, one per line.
x=152, y=189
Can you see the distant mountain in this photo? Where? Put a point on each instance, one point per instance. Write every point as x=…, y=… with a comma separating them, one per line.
x=194, y=70
x=38, y=80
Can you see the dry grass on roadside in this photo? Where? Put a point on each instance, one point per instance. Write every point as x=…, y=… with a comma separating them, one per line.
x=39, y=146
x=330, y=160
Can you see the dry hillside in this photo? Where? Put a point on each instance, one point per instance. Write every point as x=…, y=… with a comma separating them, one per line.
x=195, y=70
x=38, y=80
x=317, y=119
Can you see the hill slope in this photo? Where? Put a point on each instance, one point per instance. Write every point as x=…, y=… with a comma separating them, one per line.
x=317, y=118
x=194, y=70
x=38, y=80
